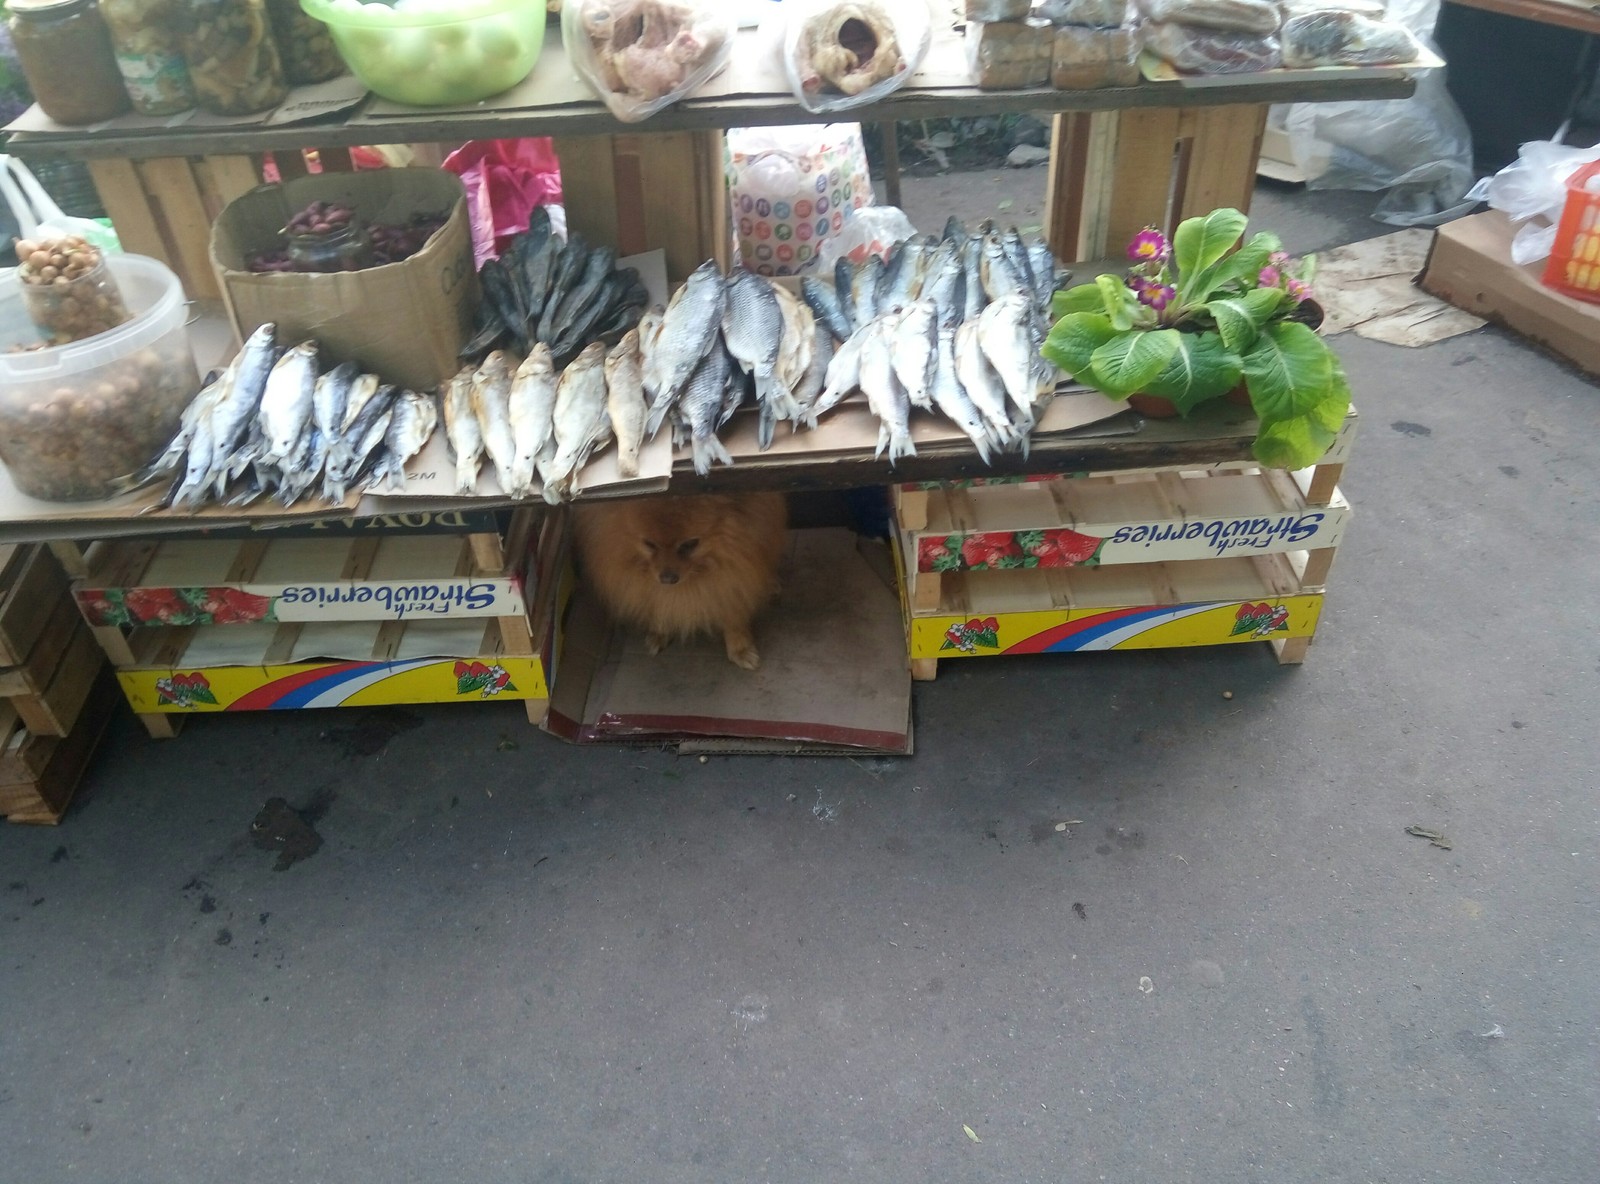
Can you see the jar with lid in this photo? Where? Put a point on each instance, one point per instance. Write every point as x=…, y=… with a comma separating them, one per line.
x=304, y=44
x=66, y=56
x=232, y=55
x=145, y=38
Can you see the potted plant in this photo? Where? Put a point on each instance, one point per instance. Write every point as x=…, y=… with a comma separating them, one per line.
x=1194, y=318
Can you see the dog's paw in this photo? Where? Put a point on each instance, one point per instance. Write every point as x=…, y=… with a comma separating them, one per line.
x=654, y=643
x=746, y=657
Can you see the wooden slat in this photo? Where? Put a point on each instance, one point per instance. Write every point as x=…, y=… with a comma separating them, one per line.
x=114, y=643
x=335, y=160
x=1324, y=484
x=66, y=760
x=72, y=557
x=280, y=650
x=123, y=195
x=1219, y=164
x=34, y=674
x=225, y=177
x=171, y=185
x=488, y=555
x=1142, y=172
x=56, y=711
x=291, y=164
x=589, y=186
x=38, y=586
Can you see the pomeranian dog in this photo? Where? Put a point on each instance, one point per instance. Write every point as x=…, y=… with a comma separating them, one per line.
x=680, y=565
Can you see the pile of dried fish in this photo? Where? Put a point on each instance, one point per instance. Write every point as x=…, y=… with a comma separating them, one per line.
x=272, y=423
x=563, y=295
x=530, y=421
x=722, y=342
x=951, y=324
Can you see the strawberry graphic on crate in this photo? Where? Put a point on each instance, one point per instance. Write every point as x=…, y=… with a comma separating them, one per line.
x=1258, y=620
x=969, y=636
x=1001, y=550
x=186, y=690
x=486, y=679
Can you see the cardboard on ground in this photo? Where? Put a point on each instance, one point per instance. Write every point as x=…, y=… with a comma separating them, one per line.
x=833, y=674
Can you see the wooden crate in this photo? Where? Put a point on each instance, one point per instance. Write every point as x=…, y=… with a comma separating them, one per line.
x=50, y=655
x=39, y=774
x=350, y=620
x=613, y=187
x=1115, y=172
x=1137, y=559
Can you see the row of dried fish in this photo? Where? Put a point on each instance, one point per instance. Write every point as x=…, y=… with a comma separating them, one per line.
x=951, y=325
x=528, y=420
x=273, y=423
x=563, y=294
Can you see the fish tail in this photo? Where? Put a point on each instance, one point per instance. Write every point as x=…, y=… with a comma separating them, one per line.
x=900, y=445
x=765, y=426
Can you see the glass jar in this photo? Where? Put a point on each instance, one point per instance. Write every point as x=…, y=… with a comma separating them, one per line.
x=68, y=290
x=343, y=248
x=148, y=54
x=67, y=58
x=304, y=44
x=233, y=58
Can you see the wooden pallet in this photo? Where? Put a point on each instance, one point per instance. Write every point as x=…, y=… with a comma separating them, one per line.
x=51, y=656
x=235, y=623
x=1115, y=172
x=39, y=774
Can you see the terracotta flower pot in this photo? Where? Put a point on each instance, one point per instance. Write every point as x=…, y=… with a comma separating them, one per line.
x=1153, y=406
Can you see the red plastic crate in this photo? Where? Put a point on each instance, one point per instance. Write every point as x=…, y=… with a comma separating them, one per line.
x=1574, y=266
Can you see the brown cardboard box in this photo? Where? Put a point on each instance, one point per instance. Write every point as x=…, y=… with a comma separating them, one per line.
x=1470, y=266
x=404, y=322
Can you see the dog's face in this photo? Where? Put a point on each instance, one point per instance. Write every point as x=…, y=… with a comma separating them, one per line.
x=676, y=546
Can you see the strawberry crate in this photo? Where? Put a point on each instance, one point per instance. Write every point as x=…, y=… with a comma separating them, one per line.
x=321, y=618
x=1138, y=559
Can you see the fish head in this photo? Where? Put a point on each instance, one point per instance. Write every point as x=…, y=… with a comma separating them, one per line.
x=497, y=365
x=538, y=363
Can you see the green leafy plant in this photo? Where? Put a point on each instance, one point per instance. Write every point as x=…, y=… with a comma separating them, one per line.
x=1196, y=316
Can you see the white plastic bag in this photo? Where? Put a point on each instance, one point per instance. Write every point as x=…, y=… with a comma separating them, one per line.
x=1418, y=149
x=1533, y=190
x=644, y=55
x=37, y=214
x=839, y=54
x=871, y=232
x=793, y=190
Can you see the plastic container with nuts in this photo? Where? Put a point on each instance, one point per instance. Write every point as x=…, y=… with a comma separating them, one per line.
x=67, y=290
x=1009, y=55
x=76, y=420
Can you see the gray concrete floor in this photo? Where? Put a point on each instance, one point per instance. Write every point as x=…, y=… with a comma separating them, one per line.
x=538, y=963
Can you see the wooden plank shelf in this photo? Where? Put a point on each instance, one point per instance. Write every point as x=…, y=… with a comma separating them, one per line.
x=38, y=773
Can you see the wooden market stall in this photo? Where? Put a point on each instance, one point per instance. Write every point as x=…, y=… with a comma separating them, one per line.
x=1121, y=158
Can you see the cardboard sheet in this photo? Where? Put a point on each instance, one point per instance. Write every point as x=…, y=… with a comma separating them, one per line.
x=833, y=674
x=302, y=103
x=1157, y=69
x=1370, y=288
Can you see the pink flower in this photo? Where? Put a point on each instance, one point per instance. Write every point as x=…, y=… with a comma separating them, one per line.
x=1157, y=296
x=1149, y=245
x=1278, y=258
x=1270, y=277
x=1299, y=290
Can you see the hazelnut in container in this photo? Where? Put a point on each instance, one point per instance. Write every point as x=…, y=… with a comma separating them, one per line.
x=78, y=420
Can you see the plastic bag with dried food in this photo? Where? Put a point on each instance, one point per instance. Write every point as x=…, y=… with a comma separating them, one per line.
x=872, y=231
x=1089, y=58
x=1212, y=51
x=997, y=10
x=1095, y=14
x=845, y=54
x=1009, y=55
x=1335, y=38
x=1240, y=16
x=644, y=55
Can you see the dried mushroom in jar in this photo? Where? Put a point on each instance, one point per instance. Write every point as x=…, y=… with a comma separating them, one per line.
x=232, y=55
x=304, y=44
x=68, y=290
x=78, y=440
x=149, y=55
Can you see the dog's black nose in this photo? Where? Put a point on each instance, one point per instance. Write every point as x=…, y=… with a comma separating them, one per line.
x=668, y=577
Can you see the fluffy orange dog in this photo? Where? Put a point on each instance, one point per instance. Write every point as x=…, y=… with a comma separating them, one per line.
x=676, y=566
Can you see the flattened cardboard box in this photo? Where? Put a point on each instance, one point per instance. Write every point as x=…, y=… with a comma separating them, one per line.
x=406, y=321
x=1470, y=266
x=833, y=674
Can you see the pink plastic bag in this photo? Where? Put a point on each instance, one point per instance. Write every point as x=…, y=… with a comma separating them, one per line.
x=505, y=180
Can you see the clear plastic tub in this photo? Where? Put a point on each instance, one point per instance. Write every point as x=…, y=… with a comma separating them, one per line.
x=453, y=51
x=76, y=419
